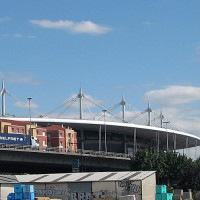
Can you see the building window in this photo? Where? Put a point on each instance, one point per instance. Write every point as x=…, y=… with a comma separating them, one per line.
x=13, y=130
x=48, y=135
x=43, y=133
x=60, y=135
x=17, y=130
x=49, y=144
x=44, y=142
x=61, y=144
x=69, y=135
x=37, y=132
x=22, y=131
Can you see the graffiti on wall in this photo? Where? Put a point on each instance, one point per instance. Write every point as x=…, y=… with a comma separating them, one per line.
x=130, y=186
x=53, y=191
x=104, y=194
x=62, y=192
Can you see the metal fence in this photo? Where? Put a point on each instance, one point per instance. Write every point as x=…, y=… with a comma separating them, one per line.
x=67, y=151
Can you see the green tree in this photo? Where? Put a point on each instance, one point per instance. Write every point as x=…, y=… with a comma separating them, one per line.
x=171, y=168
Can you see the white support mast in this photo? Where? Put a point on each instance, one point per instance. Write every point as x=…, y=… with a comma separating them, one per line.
x=149, y=114
x=3, y=93
x=161, y=119
x=80, y=96
x=123, y=103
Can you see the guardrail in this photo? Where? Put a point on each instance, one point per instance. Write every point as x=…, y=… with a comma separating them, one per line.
x=68, y=151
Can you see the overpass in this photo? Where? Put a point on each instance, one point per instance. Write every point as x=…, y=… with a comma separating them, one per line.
x=33, y=161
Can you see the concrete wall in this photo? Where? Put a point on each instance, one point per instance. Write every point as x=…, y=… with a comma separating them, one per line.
x=104, y=190
x=149, y=188
x=65, y=191
x=126, y=187
x=5, y=190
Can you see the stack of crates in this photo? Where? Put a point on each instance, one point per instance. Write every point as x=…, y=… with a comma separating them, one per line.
x=161, y=193
x=28, y=192
x=22, y=192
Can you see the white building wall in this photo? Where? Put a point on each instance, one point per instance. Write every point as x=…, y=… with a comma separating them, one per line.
x=5, y=190
x=149, y=188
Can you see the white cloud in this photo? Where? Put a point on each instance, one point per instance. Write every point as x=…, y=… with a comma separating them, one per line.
x=26, y=105
x=17, y=35
x=5, y=19
x=173, y=100
x=23, y=78
x=173, y=95
x=73, y=27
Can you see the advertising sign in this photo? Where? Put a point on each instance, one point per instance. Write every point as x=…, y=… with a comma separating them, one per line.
x=19, y=139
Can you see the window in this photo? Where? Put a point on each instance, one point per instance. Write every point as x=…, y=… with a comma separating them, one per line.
x=69, y=135
x=22, y=131
x=37, y=132
x=61, y=144
x=13, y=130
x=17, y=130
x=60, y=135
x=44, y=143
x=48, y=135
x=43, y=133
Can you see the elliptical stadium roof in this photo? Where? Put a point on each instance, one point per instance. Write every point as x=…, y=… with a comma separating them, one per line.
x=183, y=140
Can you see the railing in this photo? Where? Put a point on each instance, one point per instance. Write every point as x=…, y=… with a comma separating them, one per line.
x=68, y=151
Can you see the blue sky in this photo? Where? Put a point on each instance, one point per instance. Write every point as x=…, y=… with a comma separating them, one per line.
x=148, y=50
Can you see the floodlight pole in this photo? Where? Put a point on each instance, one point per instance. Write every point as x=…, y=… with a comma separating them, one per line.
x=29, y=106
x=167, y=135
x=104, y=111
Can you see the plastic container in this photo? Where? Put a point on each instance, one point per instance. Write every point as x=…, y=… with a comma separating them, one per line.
x=18, y=195
x=29, y=195
x=11, y=196
x=158, y=197
x=18, y=188
x=167, y=196
x=160, y=189
x=28, y=188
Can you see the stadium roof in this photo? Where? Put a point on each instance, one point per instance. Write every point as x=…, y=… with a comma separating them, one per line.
x=183, y=139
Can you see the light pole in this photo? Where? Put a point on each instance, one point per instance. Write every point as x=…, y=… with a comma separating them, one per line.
x=29, y=106
x=167, y=122
x=104, y=111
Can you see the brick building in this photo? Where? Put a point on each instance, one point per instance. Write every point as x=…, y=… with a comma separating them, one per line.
x=52, y=136
x=64, y=138
x=18, y=127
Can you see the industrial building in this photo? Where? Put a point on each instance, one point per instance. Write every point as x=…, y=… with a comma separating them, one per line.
x=85, y=186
